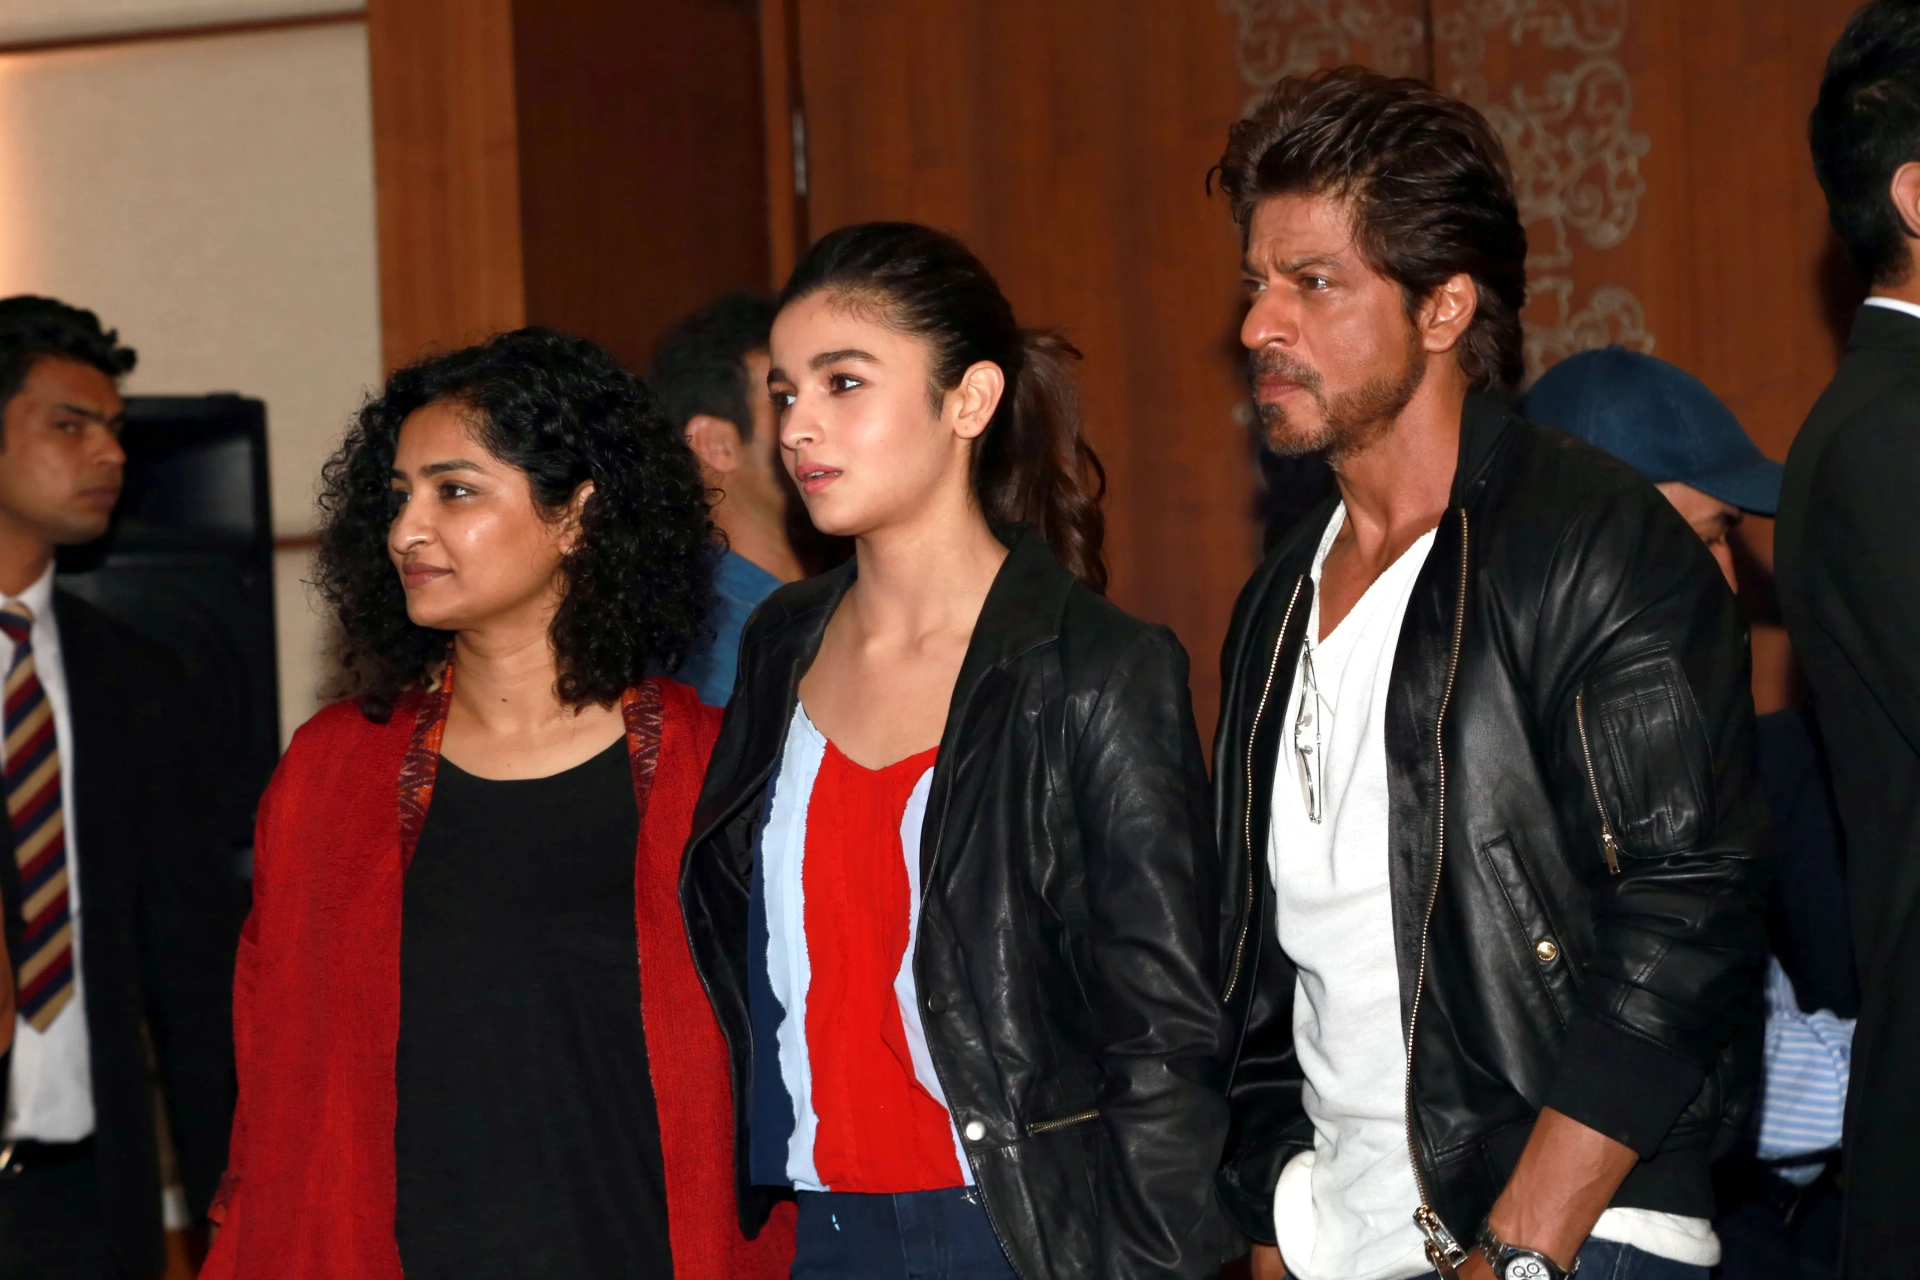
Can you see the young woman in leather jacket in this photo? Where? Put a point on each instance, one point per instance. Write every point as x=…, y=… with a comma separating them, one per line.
x=952, y=885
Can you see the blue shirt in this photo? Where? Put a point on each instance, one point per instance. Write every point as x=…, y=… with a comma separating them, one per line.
x=739, y=586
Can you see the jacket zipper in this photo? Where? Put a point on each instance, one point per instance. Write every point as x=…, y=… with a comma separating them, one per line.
x=1608, y=845
x=1048, y=1126
x=1246, y=810
x=1444, y=1251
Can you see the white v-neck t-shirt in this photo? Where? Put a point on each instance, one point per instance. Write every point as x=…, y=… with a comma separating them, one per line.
x=1344, y=1210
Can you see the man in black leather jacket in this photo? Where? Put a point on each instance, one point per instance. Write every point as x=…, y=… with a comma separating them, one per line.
x=1523, y=855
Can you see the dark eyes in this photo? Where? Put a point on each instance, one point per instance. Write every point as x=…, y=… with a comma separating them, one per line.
x=448, y=491
x=836, y=384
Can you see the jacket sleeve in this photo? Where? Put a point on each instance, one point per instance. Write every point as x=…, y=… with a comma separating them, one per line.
x=191, y=906
x=1268, y=1125
x=1139, y=792
x=1655, y=778
x=1863, y=541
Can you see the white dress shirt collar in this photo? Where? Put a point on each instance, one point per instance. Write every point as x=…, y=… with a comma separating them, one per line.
x=1895, y=304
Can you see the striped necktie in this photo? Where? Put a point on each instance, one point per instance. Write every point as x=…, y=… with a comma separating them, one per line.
x=44, y=967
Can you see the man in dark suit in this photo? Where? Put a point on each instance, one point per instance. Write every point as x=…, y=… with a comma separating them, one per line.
x=1847, y=557
x=121, y=912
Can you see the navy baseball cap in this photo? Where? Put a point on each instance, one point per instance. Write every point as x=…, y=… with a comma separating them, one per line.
x=1658, y=419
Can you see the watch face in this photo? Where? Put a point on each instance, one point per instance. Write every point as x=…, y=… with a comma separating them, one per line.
x=1526, y=1267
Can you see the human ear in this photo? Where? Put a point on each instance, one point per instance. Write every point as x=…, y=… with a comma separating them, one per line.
x=715, y=441
x=576, y=512
x=974, y=398
x=1444, y=315
x=1905, y=190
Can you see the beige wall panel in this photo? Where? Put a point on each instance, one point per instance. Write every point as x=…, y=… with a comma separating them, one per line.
x=213, y=200
x=301, y=632
x=22, y=21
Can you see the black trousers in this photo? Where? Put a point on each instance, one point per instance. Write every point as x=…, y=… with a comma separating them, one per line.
x=50, y=1225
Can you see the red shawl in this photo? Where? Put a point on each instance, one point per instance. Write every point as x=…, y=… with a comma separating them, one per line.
x=309, y=1191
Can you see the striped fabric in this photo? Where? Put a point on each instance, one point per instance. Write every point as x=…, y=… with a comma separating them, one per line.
x=848, y=1099
x=1804, y=1090
x=44, y=967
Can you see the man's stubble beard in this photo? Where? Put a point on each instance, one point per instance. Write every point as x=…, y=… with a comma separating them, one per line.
x=1349, y=423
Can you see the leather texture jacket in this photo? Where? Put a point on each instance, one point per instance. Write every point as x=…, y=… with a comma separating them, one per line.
x=1070, y=948
x=1578, y=848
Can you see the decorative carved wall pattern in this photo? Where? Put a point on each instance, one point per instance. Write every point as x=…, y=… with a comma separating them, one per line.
x=1293, y=37
x=1569, y=135
x=1575, y=156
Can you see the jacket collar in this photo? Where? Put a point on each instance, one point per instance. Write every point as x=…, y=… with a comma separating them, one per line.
x=1884, y=329
x=1023, y=609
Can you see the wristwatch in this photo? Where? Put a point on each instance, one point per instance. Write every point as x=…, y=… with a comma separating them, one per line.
x=1512, y=1263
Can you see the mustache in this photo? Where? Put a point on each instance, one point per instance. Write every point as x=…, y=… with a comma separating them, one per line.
x=1272, y=362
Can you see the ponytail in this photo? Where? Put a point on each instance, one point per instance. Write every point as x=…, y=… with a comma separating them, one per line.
x=1032, y=465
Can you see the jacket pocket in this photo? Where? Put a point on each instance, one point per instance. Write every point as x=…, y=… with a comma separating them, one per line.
x=1649, y=763
x=1541, y=948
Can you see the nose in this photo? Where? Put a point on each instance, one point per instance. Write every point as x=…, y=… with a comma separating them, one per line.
x=799, y=427
x=410, y=528
x=112, y=452
x=1269, y=321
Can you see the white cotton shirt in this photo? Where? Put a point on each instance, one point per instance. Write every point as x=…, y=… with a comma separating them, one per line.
x=50, y=1079
x=1344, y=1210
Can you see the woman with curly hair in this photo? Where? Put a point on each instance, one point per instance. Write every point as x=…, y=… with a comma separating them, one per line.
x=471, y=1041
x=952, y=884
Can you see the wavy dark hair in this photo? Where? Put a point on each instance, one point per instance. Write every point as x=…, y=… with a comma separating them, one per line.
x=639, y=582
x=1032, y=465
x=1429, y=184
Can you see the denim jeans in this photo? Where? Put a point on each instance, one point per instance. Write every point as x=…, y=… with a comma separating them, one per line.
x=1607, y=1260
x=912, y=1235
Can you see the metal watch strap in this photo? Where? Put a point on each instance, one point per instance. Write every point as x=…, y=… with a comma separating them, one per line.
x=1534, y=1265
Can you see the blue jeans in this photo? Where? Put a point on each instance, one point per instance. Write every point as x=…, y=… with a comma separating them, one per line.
x=913, y=1235
x=1607, y=1260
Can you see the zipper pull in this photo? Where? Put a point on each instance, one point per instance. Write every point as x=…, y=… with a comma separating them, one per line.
x=1443, y=1251
x=1611, y=848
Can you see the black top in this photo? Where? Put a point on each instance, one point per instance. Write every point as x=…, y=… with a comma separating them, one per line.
x=527, y=1142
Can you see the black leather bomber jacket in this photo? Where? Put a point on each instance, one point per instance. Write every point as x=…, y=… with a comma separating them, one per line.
x=1070, y=950
x=1578, y=849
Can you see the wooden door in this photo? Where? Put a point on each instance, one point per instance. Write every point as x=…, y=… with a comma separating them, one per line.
x=1068, y=144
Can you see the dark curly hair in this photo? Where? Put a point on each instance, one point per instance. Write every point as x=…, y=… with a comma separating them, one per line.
x=1033, y=465
x=31, y=328
x=1429, y=184
x=638, y=583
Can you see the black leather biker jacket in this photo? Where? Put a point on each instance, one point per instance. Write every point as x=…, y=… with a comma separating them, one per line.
x=1069, y=957
x=1578, y=849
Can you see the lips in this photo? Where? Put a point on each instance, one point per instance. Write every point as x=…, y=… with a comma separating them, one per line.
x=418, y=575
x=813, y=477
x=101, y=495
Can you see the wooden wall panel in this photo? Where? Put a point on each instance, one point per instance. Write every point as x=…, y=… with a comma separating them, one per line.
x=1068, y=144
x=642, y=174
x=446, y=172
x=1660, y=154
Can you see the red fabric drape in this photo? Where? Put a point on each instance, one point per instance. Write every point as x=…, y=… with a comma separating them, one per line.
x=309, y=1193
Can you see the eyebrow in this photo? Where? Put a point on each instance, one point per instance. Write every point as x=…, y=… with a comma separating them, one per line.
x=92, y=415
x=826, y=358
x=441, y=468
